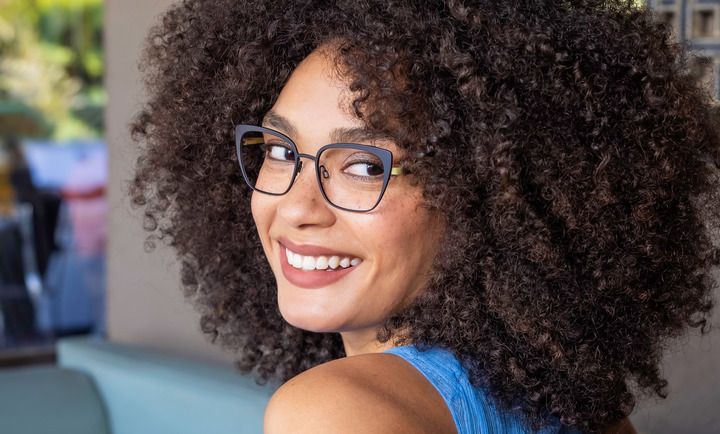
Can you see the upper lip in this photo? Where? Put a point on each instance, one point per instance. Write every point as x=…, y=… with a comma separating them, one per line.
x=311, y=250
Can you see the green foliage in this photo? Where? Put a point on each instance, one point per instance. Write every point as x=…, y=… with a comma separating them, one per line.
x=51, y=64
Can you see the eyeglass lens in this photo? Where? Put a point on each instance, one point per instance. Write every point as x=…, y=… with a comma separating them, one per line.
x=350, y=178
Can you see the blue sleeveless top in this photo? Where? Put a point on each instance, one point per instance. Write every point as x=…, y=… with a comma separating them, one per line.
x=471, y=409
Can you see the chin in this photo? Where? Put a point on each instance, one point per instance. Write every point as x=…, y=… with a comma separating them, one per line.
x=310, y=319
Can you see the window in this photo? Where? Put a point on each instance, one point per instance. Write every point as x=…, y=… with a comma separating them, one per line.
x=668, y=17
x=704, y=23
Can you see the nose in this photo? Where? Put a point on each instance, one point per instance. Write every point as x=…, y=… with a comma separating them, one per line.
x=303, y=205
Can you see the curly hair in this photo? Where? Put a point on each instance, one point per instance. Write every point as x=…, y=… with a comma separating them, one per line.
x=571, y=150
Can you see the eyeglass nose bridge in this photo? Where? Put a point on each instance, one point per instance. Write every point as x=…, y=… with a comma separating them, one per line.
x=323, y=171
x=300, y=155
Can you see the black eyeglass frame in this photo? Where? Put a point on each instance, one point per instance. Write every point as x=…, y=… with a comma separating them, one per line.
x=385, y=156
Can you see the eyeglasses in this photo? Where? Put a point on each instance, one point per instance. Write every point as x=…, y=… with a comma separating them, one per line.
x=352, y=177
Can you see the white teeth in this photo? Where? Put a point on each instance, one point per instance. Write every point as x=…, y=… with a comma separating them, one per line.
x=308, y=263
x=320, y=262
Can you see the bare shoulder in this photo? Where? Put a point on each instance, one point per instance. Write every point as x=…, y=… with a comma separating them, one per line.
x=369, y=393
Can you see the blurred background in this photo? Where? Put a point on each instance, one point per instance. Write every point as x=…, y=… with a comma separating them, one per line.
x=53, y=174
x=72, y=258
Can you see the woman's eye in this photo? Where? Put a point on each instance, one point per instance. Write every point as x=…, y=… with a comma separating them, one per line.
x=279, y=152
x=365, y=169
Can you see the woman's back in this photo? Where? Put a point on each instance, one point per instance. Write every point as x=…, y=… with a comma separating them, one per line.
x=401, y=390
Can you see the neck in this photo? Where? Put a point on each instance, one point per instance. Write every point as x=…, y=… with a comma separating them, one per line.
x=364, y=341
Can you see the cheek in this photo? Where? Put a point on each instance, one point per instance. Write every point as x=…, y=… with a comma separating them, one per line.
x=408, y=225
x=258, y=209
x=410, y=248
x=414, y=241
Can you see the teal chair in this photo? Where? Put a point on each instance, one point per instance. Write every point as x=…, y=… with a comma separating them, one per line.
x=100, y=387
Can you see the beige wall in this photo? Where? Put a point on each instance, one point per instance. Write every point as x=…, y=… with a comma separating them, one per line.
x=691, y=368
x=144, y=301
x=145, y=305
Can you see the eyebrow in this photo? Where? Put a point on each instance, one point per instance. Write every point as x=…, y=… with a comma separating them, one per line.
x=337, y=135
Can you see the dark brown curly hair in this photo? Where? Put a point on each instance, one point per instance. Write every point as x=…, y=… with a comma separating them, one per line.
x=572, y=151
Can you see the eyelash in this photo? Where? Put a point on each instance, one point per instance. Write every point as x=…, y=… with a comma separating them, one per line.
x=269, y=146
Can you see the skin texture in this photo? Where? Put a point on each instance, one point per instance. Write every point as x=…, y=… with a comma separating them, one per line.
x=572, y=156
x=397, y=241
x=367, y=393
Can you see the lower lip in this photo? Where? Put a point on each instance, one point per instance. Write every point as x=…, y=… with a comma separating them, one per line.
x=312, y=279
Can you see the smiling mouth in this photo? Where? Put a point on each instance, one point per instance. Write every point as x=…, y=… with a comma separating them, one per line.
x=321, y=262
x=314, y=271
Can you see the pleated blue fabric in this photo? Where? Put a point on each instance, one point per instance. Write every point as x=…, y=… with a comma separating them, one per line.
x=471, y=408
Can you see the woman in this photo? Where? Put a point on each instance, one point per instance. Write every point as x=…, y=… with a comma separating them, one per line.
x=517, y=217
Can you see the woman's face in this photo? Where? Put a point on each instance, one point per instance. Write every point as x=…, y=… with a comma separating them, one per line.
x=395, y=243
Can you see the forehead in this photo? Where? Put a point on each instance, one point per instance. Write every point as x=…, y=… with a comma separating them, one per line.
x=351, y=134
x=314, y=107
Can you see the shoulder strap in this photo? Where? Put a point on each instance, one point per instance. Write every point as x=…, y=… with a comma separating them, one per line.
x=470, y=407
x=445, y=373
